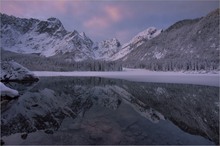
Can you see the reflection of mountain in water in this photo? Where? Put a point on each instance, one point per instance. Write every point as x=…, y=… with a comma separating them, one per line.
x=47, y=105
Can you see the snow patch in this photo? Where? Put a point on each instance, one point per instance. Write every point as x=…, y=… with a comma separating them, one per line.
x=158, y=55
x=148, y=34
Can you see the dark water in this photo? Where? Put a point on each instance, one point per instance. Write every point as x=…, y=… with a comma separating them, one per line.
x=67, y=110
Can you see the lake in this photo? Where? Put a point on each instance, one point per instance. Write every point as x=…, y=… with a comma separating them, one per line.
x=93, y=110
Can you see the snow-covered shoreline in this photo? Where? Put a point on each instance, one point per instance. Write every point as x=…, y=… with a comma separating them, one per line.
x=140, y=75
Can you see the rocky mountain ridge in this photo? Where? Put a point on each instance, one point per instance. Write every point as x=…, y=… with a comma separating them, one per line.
x=49, y=38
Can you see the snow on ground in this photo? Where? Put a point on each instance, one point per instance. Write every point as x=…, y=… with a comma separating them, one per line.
x=141, y=75
x=6, y=91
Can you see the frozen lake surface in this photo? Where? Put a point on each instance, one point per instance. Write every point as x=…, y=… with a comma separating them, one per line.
x=141, y=75
x=93, y=110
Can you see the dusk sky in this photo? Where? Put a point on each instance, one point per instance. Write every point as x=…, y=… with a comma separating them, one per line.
x=102, y=20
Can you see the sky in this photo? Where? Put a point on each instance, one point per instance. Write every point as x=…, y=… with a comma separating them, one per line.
x=106, y=19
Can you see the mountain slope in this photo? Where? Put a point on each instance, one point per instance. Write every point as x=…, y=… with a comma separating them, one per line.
x=186, y=45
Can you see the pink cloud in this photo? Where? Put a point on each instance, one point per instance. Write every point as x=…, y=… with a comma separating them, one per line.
x=33, y=8
x=113, y=13
x=59, y=6
x=78, y=7
x=96, y=23
x=109, y=15
x=11, y=8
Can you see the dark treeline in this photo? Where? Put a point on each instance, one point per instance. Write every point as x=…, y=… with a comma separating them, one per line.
x=35, y=62
x=177, y=65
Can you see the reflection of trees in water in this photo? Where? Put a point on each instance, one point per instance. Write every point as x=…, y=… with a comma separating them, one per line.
x=191, y=107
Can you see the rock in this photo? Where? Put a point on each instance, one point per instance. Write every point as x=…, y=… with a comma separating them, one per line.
x=97, y=136
x=48, y=131
x=24, y=136
x=2, y=142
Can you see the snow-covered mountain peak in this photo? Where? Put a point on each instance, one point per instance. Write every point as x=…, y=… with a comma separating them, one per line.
x=51, y=26
x=109, y=43
x=136, y=41
x=107, y=48
x=147, y=34
x=83, y=34
x=54, y=20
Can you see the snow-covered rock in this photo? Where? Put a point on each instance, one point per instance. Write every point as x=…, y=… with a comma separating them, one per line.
x=136, y=41
x=12, y=71
x=107, y=48
x=147, y=34
x=7, y=92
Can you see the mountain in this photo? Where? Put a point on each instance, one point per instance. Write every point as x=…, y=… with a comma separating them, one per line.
x=49, y=38
x=191, y=44
x=136, y=41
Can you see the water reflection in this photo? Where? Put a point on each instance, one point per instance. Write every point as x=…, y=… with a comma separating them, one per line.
x=66, y=110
